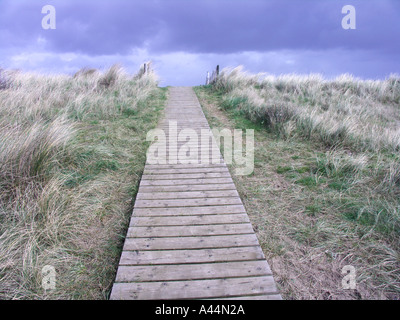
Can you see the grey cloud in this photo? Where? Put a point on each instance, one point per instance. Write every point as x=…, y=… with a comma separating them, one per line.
x=223, y=26
x=187, y=37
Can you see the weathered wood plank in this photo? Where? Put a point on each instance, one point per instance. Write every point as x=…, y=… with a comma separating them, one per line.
x=196, y=202
x=174, y=231
x=194, y=289
x=184, y=166
x=198, y=242
x=185, y=176
x=148, y=171
x=193, y=271
x=273, y=296
x=227, y=209
x=191, y=256
x=186, y=195
x=187, y=187
x=189, y=220
x=185, y=181
x=193, y=146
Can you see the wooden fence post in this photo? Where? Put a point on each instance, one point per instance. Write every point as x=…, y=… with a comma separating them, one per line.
x=214, y=76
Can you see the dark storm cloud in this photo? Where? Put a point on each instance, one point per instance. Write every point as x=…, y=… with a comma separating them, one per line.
x=206, y=26
x=234, y=26
x=185, y=38
x=92, y=27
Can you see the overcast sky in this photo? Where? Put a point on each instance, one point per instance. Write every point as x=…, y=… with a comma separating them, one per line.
x=187, y=38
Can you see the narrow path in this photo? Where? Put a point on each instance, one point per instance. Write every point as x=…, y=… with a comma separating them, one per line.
x=189, y=235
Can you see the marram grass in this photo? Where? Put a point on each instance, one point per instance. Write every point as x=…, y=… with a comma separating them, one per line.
x=326, y=187
x=72, y=150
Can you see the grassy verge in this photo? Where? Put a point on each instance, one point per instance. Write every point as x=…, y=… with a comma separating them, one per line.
x=315, y=207
x=72, y=150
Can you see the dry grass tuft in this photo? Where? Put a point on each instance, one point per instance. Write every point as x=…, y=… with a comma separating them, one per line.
x=4, y=80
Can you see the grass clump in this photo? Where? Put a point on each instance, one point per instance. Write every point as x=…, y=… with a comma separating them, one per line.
x=5, y=81
x=72, y=150
x=361, y=114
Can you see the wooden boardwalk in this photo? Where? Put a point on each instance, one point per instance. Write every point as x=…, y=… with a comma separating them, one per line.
x=190, y=236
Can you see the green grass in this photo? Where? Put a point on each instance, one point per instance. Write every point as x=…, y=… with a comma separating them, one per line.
x=283, y=169
x=313, y=209
x=308, y=181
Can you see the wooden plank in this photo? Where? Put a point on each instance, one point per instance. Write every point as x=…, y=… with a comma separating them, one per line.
x=185, y=176
x=191, y=256
x=196, y=162
x=205, y=161
x=191, y=143
x=194, y=146
x=184, y=166
x=198, y=242
x=189, y=231
x=196, y=155
x=186, y=195
x=185, y=181
x=189, y=220
x=193, y=271
x=187, y=187
x=194, y=289
x=227, y=209
x=198, y=151
x=200, y=130
x=273, y=296
x=184, y=170
x=196, y=202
